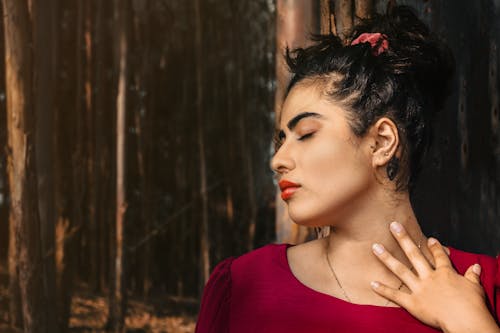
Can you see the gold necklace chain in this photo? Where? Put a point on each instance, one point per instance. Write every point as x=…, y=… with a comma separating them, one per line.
x=340, y=284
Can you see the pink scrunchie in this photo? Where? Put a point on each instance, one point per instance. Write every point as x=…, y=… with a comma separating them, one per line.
x=377, y=41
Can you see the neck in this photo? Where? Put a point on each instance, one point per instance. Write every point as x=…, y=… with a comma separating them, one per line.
x=354, y=236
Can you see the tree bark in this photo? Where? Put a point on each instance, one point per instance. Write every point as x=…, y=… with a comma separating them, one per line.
x=204, y=238
x=64, y=183
x=15, y=310
x=71, y=221
x=22, y=163
x=363, y=9
x=246, y=163
x=45, y=68
x=143, y=118
x=117, y=306
x=343, y=17
x=93, y=239
x=101, y=142
x=327, y=21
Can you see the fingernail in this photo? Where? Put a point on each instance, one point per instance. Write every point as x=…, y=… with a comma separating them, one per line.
x=377, y=248
x=375, y=284
x=476, y=269
x=431, y=241
x=396, y=227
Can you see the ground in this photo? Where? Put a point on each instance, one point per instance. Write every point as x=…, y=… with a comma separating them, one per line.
x=89, y=312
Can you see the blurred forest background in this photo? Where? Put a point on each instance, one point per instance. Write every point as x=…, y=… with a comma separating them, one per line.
x=137, y=138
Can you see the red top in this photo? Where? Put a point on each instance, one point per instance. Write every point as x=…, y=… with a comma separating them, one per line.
x=257, y=292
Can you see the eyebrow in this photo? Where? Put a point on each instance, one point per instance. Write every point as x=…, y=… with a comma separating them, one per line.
x=295, y=120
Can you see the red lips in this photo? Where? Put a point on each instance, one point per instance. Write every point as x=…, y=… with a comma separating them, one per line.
x=287, y=189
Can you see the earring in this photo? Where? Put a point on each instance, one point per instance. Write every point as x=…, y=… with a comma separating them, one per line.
x=392, y=167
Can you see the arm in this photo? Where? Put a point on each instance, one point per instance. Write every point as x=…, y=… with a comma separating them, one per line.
x=213, y=316
x=440, y=297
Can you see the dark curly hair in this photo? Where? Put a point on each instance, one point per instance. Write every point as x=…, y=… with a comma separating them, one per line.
x=407, y=83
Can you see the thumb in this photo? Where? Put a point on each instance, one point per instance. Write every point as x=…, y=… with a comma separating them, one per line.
x=473, y=273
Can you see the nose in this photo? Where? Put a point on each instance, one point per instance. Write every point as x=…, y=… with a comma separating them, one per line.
x=282, y=161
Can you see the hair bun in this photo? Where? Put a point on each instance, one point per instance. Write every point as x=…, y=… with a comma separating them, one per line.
x=414, y=52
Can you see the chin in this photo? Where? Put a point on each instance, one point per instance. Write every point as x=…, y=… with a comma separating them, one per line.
x=310, y=217
x=314, y=215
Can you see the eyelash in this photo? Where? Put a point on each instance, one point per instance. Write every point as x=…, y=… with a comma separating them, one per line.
x=306, y=136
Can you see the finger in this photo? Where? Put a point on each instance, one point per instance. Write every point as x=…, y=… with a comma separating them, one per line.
x=441, y=259
x=396, y=296
x=401, y=271
x=417, y=259
x=473, y=274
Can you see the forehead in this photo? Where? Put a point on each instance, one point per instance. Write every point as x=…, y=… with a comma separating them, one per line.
x=305, y=98
x=299, y=98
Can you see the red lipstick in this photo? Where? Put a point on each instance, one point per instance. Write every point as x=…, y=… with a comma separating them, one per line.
x=287, y=189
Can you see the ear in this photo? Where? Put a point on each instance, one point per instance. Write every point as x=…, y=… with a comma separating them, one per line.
x=384, y=141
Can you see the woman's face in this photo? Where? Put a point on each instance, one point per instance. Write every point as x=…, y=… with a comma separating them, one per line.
x=320, y=153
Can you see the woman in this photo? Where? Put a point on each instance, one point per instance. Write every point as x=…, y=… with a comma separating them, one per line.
x=353, y=132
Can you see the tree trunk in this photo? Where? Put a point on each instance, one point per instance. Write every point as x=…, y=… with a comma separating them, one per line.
x=363, y=9
x=204, y=238
x=143, y=118
x=45, y=69
x=70, y=214
x=101, y=145
x=22, y=163
x=247, y=166
x=327, y=21
x=93, y=239
x=65, y=230
x=15, y=310
x=343, y=17
x=117, y=305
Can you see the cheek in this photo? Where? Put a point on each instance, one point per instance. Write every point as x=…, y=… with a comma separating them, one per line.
x=337, y=160
x=338, y=166
x=337, y=176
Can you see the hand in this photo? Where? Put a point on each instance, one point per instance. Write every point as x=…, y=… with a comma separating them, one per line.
x=439, y=296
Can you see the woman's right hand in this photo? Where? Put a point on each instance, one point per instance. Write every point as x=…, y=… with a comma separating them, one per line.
x=440, y=297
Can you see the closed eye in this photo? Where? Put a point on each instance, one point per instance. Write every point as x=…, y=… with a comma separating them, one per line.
x=306, y=136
